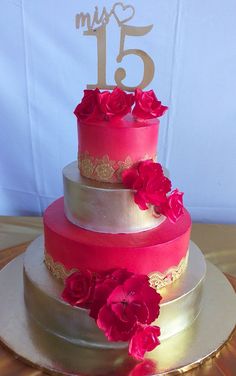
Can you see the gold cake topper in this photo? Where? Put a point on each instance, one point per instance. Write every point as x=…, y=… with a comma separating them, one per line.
x=95, y=25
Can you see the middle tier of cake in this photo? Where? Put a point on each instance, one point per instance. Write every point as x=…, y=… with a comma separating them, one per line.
x=104, y=207
x=160, y=253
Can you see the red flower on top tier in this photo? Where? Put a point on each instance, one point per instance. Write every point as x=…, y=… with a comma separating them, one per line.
x=89, y=108
x=97, y=105
x=122, y=303
x=116, y=103
x=147, y=106
x=151, y=188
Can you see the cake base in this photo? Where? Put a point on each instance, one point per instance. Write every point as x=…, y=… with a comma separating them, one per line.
x=179, y=353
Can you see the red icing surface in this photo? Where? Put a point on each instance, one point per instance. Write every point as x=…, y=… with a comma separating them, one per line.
x=144, y=252
x=119, y=139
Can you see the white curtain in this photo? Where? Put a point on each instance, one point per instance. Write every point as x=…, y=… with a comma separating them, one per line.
x=45, y=63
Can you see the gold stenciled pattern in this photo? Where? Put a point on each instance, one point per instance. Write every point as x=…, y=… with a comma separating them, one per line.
x=104, y=169
x=160, y=280
x=86, y=165
x=56, y=268
x=157, y=280
x=123, y=165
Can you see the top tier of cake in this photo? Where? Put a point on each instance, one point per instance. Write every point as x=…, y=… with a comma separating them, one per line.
x=105, y=150
x=113, y=136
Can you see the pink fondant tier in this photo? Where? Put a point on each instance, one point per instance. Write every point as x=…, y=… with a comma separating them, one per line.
x=107, y=147
x=153, y=251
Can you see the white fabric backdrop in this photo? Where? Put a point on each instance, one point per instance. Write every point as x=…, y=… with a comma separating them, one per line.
x=45, y=63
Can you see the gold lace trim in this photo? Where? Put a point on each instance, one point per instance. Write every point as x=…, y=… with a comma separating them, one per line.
x=104, y=169
x=56, y=268
x=157, y=280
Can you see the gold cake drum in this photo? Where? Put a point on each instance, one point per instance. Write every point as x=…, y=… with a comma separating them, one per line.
x=181, y=352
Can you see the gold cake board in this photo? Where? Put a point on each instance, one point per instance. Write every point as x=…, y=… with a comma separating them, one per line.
x=176, y=355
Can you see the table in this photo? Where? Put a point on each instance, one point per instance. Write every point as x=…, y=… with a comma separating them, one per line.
x=218, y=243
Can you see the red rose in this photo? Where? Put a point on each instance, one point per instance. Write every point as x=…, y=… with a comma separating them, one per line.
x=147, y=106
x=131, y=178
x=79, y=288
x=114, y=328
x=149, y=168
x=89, y=108
x=105, y=284
x=173, y=207
x=128, y=305
x=145, y=339
x=145, y=368
x=115, y=103
x=122, y=303
x=151, y=188
x=141, y=200
x=148, y=180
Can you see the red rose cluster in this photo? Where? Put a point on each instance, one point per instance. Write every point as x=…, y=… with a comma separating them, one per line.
x=151, y=188
x=122, y=303
x=97, y=105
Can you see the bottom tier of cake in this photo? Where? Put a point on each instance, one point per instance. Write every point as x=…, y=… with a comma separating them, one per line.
x=180, y=305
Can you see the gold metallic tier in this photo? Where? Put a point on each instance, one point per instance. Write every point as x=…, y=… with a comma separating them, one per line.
x=180, y=353
x=180, y=305
x=158, y=280
x=103, y=207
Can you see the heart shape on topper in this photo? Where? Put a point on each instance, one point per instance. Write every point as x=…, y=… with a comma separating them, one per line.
x=123, y=13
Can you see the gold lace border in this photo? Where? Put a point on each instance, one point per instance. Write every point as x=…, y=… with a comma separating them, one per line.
x=104, y=169
x=157, y=280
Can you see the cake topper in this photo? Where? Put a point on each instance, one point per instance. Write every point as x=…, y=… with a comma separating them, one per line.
x=95, y=25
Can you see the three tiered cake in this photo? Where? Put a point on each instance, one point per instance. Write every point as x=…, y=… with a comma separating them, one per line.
x=119, y=239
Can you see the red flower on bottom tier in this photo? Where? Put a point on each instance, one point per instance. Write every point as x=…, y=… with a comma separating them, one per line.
x=145, y=339
x=128, y=305
x=145, y=368
x=105, y=283
x=123, y=305
x=79, y=289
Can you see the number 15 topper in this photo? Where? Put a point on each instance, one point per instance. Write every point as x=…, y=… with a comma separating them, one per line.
x=122, y=13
